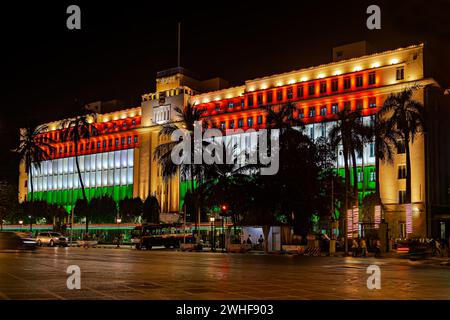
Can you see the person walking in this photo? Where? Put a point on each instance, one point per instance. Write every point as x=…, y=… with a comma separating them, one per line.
x=378, y=249
x=260, y=241
x=363, y=246
x=354, y=248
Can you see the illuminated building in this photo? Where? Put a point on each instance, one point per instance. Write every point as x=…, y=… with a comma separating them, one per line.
x=120, y=160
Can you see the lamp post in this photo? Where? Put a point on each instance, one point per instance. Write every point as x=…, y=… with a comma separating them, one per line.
x=213, y=243
x=21, y=224
x=224, y=209
x=118, y=221
x=31, y=223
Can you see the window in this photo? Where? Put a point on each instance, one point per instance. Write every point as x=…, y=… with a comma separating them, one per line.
x=401, y=196
x=360, y=176
x=372, y=176
x=290, y=93
x=311, y=132
x=87, y=146
x=260, y=99
x=60, y=150
x=312, y=112
x=110, y=143
x=116, y=142
x=26, y=184
x=301, y=113
x=401, y=147
x=311, y=89
x=104, y=143
x=133, y=122
x=347, y=105
x=217, y=107
x=242, y=103
x=347, y=83
x=92, y=145
x=250, y=101
x=98, y=145
x=231, y=124
x=372, y=78
x=240, y=123
x=279, y=95
x=81, y=148
x=323, y=87
x=323, y=130
x=259, y=120
x=122, y=141
x=359, y=80
x=299, y=91
x=249, y=122
x=372, y=102
x=70, y=148
x=334, y=108
x=124, y=124
x=269, y=97
x=334, y=85
x=136, y=139
x=230, y=105
x=129, y=140
x=359, y=104
x=222, y=125
x=323, y=110
x=400, y=73
x=401, y=171
x=372, y=150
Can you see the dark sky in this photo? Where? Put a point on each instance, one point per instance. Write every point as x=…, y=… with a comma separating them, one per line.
x=48, y=70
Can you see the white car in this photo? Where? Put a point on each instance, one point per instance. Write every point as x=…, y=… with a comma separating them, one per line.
x=52, y=239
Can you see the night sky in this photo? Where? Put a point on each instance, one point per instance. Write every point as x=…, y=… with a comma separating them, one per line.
x=48, y=71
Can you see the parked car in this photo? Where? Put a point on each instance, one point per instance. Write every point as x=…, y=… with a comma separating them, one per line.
x=52, y=239
x=16, y=240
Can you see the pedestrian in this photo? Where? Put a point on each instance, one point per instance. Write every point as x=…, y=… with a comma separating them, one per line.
x=354, y=248
x=363, y=248
x=249, y=240
x=378, y=249
x=260, y=241
x=438, y=247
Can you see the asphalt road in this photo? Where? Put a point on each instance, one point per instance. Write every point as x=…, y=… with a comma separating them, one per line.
x=166, y=274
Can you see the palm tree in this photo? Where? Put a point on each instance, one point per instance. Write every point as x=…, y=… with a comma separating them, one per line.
x=350, y=132
x=405, y=117
x=74, y=130
x=385, y=141
x=188, y=118
x=33, y=149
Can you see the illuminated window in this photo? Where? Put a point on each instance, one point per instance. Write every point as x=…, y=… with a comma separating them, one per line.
x=240, y=123
x=323, y=110
x=222, y=125
x=279, y=95
x=133, y=122
x=334, y=108
x=259, y=99
x=312, y=112
x=231, y=124
x=334, y=85
x=400, y=73
x=124, y=124
x=359, y=80
x=122, y=141
x=116, y=142
x=110, y=143
x=311, y=89
x=372, y=78
x=299, y=91
x=301, y=113
x=250, y=101
x=372, y=176
x=250, y=122
x=323, y=87
x=372, y=150
x=135, y=139
x=217, y=107
x=70, y=148
x=242, y=103
x=347, y=83
x=98, y=145
x=104, y=143
x=269, y=96
x=129, y=140
x=372, y=102
x=360, y=176
x=259, y=120
x=230, y=104
x=290, y=93
x=60, y=150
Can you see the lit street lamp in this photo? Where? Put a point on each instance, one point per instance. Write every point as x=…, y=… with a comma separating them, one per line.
x=21, y=224
x=118, y=221
x=31, y=223
x=213, y=242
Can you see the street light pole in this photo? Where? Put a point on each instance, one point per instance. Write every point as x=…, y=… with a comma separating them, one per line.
x=213, y=244
x=31, y=223
x=21, y=224
x=118, y=220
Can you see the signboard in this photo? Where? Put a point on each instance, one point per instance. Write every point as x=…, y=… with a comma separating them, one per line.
x=355, y=219
x=377, y=216
x=409, y=228
x=349, y=223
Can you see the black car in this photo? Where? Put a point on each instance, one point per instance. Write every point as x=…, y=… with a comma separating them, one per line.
x=16, y=240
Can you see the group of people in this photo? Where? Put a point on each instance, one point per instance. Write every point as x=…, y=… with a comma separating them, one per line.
x=249, y=240
x=359, y=247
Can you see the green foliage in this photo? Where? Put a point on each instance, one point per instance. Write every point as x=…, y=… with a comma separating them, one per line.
x=130, y=209
x=151, y=210
x=103, y=210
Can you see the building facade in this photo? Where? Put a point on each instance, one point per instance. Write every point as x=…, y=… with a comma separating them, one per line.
x=120, y=161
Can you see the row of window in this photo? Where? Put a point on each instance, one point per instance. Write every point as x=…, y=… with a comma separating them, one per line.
x=97, y=145
x=232, y=124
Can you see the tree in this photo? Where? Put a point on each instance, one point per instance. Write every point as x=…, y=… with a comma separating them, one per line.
x=130, y=208
x=103, y=210
x=74, y=130
x=188, y=118
x=33, y=149
x=151, y=210
x=82, y=209
x=404, y=116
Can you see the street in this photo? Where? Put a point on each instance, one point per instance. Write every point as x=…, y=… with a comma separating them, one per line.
x=167, y=274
